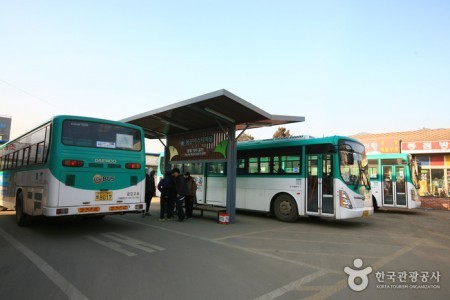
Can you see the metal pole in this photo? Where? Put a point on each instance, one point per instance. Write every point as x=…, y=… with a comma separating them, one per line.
x=231, y=173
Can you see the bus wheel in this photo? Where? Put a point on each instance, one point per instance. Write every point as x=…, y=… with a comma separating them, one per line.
x=285, y=208
x=21, y=217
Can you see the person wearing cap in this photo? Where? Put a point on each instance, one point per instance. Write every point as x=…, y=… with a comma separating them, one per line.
x=181, y=190
x=190, y=195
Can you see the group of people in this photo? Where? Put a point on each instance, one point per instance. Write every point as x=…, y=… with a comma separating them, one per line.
x=175, y=190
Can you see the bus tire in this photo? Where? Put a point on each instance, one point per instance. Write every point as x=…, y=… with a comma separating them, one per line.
x=285, y=208
x=21, y=217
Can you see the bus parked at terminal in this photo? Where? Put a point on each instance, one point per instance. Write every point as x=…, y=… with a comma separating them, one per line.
x=290, y=177
x=394, y=179
x=74, y=165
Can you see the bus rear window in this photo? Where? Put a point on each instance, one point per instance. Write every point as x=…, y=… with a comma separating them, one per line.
x=100, y=135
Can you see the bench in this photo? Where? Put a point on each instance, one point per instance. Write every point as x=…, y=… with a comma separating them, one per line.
x=205, y=207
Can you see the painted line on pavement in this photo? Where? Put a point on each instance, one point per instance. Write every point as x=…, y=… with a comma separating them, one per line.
x=121, y=219
x=328, y=291
x=66, y=287
x=111, y=245
x=295, y=285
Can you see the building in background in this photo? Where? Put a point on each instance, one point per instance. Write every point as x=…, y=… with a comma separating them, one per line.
x=151, y=161
x=430, y=146
x=5, y=129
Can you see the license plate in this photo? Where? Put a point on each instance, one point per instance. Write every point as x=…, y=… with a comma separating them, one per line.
x=88, y=209
x=103, y=196
x=118, y=207
x=365, y=213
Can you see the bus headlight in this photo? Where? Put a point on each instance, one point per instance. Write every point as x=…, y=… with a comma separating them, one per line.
x=344, y=200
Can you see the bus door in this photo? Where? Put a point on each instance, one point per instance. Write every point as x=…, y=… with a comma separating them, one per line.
x=319, y=185
x=394, y=186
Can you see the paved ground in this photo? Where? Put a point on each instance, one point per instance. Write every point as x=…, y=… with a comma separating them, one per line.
x=130, y=257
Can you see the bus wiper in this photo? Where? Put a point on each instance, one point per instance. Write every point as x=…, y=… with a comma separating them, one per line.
x=363, y=171
x=359, y=175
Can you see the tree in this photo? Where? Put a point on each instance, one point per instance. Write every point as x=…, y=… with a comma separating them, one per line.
x=281, y=133
x=245, y=137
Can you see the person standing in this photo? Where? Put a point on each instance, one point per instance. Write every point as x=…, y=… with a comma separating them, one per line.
x=150, y=190
x=181, y=190
x=167, y=189
x=190, y=195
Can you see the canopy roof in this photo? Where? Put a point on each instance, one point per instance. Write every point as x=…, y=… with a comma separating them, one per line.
x=206, y=111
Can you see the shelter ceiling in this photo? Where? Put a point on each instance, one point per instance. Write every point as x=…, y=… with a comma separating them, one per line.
x=219, y=108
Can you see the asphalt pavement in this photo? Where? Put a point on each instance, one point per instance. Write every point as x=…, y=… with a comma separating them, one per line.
x=401, y=254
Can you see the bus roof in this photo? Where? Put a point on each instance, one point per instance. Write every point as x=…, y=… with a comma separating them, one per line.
x=60, y=118
x=388, y=155
x=291, y=141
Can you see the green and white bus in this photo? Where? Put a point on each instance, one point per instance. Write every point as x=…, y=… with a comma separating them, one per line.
x=290, y=177
x=394, y=179
x=74, y=165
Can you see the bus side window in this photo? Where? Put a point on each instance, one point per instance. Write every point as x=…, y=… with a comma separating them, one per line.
x=253, y=165
x=26, y=155
x=264, y=165
x=373, y=169
x=14, y=159
x=40, y=153
x=240, y=166
x=33, y=151
x=20, y=158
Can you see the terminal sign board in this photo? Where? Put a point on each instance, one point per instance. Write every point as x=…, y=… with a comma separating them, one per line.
x=204, y=145
x=384, y=145
x=426, y=147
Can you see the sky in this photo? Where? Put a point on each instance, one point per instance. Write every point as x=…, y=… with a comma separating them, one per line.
x=346, y=66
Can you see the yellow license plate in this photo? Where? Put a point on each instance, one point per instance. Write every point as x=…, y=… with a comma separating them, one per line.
x=118, y=207
x=103, y=196
x=365, y=213
x=88, y=209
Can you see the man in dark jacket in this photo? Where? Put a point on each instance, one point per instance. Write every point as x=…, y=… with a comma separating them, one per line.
x=181, y=190
x=167, y=188
x=150, y=190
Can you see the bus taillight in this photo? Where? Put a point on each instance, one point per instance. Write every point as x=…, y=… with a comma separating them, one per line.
x=72, y=163
x=62, y=211
x=133, y=165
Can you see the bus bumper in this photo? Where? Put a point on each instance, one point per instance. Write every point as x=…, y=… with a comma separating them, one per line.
x=355, y=212
x=93, y=209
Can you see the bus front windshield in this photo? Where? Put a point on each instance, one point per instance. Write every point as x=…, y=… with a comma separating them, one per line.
x=100, y=135
x=353, y=164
